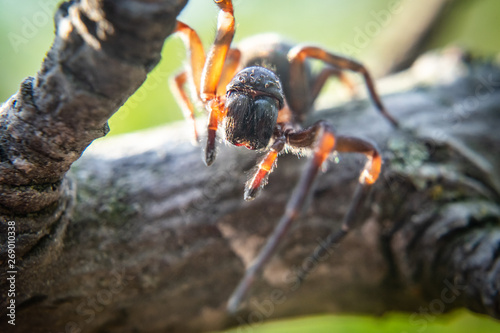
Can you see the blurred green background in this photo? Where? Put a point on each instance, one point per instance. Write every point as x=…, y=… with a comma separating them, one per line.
x=26, y=32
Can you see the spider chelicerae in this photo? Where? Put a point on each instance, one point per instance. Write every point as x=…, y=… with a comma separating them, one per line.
x=260, y=93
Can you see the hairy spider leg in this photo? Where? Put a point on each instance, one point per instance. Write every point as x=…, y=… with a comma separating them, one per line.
x=196, y=54
x=217, y=53
x=264, y=168
x=299, y=53
x=320, y=136
x=195, y=51
x=231, y=66
x=368, y=176
x=212, y=72
x=177, y=86
x=197, y=60
x=373, y=166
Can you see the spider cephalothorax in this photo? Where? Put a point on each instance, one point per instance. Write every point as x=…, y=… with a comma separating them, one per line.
x=249, y=103
x=253, y=99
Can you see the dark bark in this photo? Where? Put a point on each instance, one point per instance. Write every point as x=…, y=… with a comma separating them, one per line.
x=98, y=59
x=141, y=236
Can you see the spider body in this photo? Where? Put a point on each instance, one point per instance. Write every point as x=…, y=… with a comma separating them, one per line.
x=253, y=100
x=260, y=94
x=271, y=51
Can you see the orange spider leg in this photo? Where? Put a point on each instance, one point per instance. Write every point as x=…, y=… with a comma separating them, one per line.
x=368, y=176
x=196, y=53
x=373, y=166
x=324, y=75
x=212, y=72
x=230, y=68
x=321, y=137
x=264, y=168
x=216, y=110
x=216, y=56
x=177, y=85
x=298, y=54
x=195, y=50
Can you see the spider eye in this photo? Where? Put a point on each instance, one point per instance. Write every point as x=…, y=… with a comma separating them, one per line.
x=257, y=81
x=250, y=122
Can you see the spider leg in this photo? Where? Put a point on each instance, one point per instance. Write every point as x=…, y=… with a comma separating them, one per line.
x=264, y=168
x=319, y=136
x=373, y=166
x=196, y=54
x=212, y=72
x=231, y=66
x=324, y=75
x=177, y=84
x=298, y=54
x=348, y=223
x=195, y=50
x=368, y=176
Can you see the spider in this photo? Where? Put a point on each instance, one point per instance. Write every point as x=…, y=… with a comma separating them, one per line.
x=260, y=95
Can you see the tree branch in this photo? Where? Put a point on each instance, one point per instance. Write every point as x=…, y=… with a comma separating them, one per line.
x=98, y=59
x=155, y=234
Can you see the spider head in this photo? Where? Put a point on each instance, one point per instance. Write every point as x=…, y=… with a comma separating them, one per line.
x=253, y=99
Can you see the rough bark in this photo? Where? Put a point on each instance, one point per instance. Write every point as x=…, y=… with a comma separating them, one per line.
x=140, y=236
x=98, y=59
